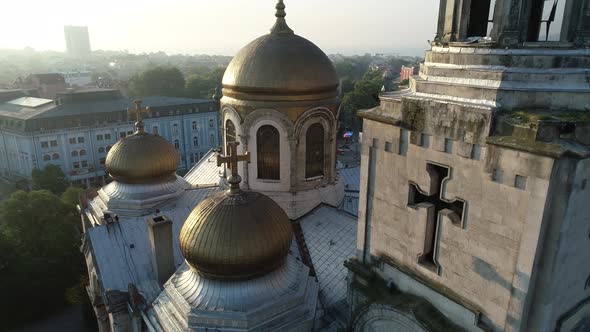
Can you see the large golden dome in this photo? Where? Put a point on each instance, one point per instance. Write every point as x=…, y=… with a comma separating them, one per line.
x=142, y=158
x=281, y=64
x=236, y=236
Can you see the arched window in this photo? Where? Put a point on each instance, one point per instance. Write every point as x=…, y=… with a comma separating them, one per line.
x=314, y=151
x=155, y=130
x=55, y=156
x=196, y=141
x=46, y=157
x=268, y=153
x=82, y=152
x=176, y=144
x=194, y=125
x=230, y=131
x=101, y=150
x=75, y=153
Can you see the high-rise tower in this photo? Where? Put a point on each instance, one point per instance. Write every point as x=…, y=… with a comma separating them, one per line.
x=474, y=182
x=77, y=42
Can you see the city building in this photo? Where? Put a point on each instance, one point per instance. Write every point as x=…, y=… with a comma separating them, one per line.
x=77, y=79
x=406, y=72
x=77, y=42
x=473, y=212
x=47, y=85
x=77, y=130
x=202, y=252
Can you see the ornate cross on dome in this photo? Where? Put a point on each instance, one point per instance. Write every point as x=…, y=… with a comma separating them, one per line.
x=232, y=160
x=138, y=110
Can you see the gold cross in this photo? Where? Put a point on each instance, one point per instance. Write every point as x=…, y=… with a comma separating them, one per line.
x=138, y=110
x=232, y=161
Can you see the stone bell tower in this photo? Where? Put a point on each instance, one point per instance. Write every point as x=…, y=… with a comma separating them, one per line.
x=473, y=211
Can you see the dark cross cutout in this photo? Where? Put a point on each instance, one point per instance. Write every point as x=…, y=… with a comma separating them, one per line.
x=438, y=206
x=138, y=110
x=232, y=161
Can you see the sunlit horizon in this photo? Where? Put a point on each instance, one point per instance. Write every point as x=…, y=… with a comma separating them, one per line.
x=221, y=27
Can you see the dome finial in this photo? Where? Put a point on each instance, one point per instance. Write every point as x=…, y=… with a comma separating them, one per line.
x=139, y=127
x=280, y=25
x=232, y=161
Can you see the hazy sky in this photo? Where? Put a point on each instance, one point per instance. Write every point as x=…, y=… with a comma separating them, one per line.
x=219, y=26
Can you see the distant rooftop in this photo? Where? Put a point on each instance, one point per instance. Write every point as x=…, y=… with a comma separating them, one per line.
x=30, y=101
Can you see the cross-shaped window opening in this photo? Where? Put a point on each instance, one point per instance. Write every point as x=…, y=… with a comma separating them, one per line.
x=438, y=206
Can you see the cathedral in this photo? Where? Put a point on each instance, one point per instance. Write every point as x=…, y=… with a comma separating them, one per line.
x=472, y=209
x=254, y=237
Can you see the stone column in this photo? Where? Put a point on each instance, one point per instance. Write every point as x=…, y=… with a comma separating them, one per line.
x=576, y=27
x=510, y=21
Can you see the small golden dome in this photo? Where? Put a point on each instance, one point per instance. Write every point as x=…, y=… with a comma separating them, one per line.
x=142, y=158
x=236, y=236
x=281, y=64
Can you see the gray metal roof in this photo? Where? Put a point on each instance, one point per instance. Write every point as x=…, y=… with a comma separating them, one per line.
x=330, y=236
x=49, y=110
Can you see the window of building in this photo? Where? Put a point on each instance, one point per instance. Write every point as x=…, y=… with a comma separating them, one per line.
x=194, y=125
x=314, y=151
x=230, y=132
x=546, y=20
x=195, y=141
x=192, y=158
x=82, y=152
x=175, y=128
x=84, y=164
x=55, y=156
x=76, y=165
x=101, y=150
x=44, y=144
x=80, y=140
x=99, y=137
x=53, y=143
x=107, y=136
x=72, y=140
x=176, y=144
x=481, y=18
x=46, y=157
x=268, y=153
x=102, y=161
x=211, y=139
x=74, y=153
x=155, y=130
x=211, y=123
x=122, y=134
x=130, y=132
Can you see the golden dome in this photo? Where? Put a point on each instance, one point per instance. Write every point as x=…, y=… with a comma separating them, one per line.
x=142, y=158
x=281, y=64
x=236, y=236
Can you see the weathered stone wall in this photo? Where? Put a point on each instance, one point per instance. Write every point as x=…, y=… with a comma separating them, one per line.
x=488, y=262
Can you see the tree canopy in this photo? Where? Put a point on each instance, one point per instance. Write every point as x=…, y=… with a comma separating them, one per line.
x=158, y=81
x=203, y=85
x=364, y=95
x=50, y=178
x=39, y=255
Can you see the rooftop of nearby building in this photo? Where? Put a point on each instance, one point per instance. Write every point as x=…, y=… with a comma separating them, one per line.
x=88, y=101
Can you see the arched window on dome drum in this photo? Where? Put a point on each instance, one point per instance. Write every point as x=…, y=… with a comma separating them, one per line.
x=314, y=151
x=230, y=135
x=268, y=157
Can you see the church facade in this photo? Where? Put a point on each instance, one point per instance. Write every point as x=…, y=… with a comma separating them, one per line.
x=473, y=209
x=250, y=241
